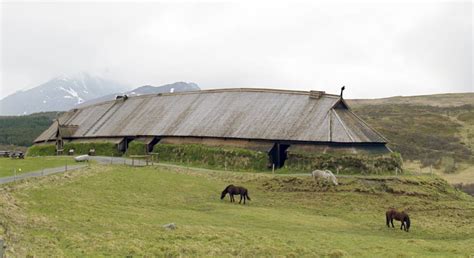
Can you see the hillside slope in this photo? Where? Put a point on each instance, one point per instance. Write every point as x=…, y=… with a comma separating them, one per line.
x=437, y=100
x=437, y=129
x=22, y=130
x=120, y=211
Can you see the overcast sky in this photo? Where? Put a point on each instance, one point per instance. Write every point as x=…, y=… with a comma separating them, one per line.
x=375, y=49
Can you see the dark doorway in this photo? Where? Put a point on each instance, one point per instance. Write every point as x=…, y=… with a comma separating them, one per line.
x=152, y=144
x=278, y=154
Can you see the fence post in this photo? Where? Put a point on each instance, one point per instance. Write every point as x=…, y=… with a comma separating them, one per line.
x=273, y=168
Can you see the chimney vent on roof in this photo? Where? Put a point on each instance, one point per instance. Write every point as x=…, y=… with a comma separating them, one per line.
x=121, y=97
x=314, y=94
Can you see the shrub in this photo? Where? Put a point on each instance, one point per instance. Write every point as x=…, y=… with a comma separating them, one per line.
x=42, y=150
x=449, y=165
x=101, y=148
x=213, y=157
x=136, y=148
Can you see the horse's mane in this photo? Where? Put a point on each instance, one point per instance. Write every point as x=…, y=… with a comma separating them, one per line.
x=329, y=172
x=227, y=188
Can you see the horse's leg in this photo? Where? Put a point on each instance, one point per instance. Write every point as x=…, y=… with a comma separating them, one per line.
x=245, y=197
x=391, y=221
x=240, y=199
x=387, y=220
x=231, y=198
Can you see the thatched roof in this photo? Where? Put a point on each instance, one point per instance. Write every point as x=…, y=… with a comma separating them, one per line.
x=226, y=113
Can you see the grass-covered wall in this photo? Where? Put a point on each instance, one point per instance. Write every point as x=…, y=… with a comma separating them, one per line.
x=42, y=150
x=101, y=148
x=213, y=157
x=344, y=163
x=136, y=148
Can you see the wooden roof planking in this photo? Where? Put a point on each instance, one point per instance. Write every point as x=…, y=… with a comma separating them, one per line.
x=266, y=114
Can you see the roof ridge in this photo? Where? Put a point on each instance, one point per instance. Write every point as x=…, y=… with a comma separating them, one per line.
x=263, y=90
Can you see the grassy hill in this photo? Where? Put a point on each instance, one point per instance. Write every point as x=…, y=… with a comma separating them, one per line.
x=119, y=211
x=436, y=100
x=437, y=130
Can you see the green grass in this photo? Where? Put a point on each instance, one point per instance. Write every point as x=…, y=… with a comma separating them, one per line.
x=119, y=211
x=29, y=164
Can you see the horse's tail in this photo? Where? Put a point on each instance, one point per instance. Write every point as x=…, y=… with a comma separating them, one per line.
x=407, y=220
x=247, y=195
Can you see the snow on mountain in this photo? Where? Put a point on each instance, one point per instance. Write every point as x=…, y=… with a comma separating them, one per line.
x=58, y=94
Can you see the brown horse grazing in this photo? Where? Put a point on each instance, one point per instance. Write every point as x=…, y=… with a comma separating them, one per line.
x=400, y=216
x=235, y=190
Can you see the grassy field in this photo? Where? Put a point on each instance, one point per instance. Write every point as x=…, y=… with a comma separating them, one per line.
x=7, y=165
x=119, y=211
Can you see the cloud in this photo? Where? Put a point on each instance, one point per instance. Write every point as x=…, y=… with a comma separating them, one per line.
x=374, y=49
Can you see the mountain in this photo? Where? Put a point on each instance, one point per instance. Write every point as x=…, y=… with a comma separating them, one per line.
x=147, y=89
x=58, y=94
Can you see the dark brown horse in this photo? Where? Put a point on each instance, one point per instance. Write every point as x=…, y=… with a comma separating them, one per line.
x=400, y=216
x=236, y=190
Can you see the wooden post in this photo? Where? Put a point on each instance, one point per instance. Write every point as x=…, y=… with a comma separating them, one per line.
x=273, y=168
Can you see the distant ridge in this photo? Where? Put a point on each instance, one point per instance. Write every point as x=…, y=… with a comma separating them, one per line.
x=436, y=100
x=147, y=89
x=58, y=94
